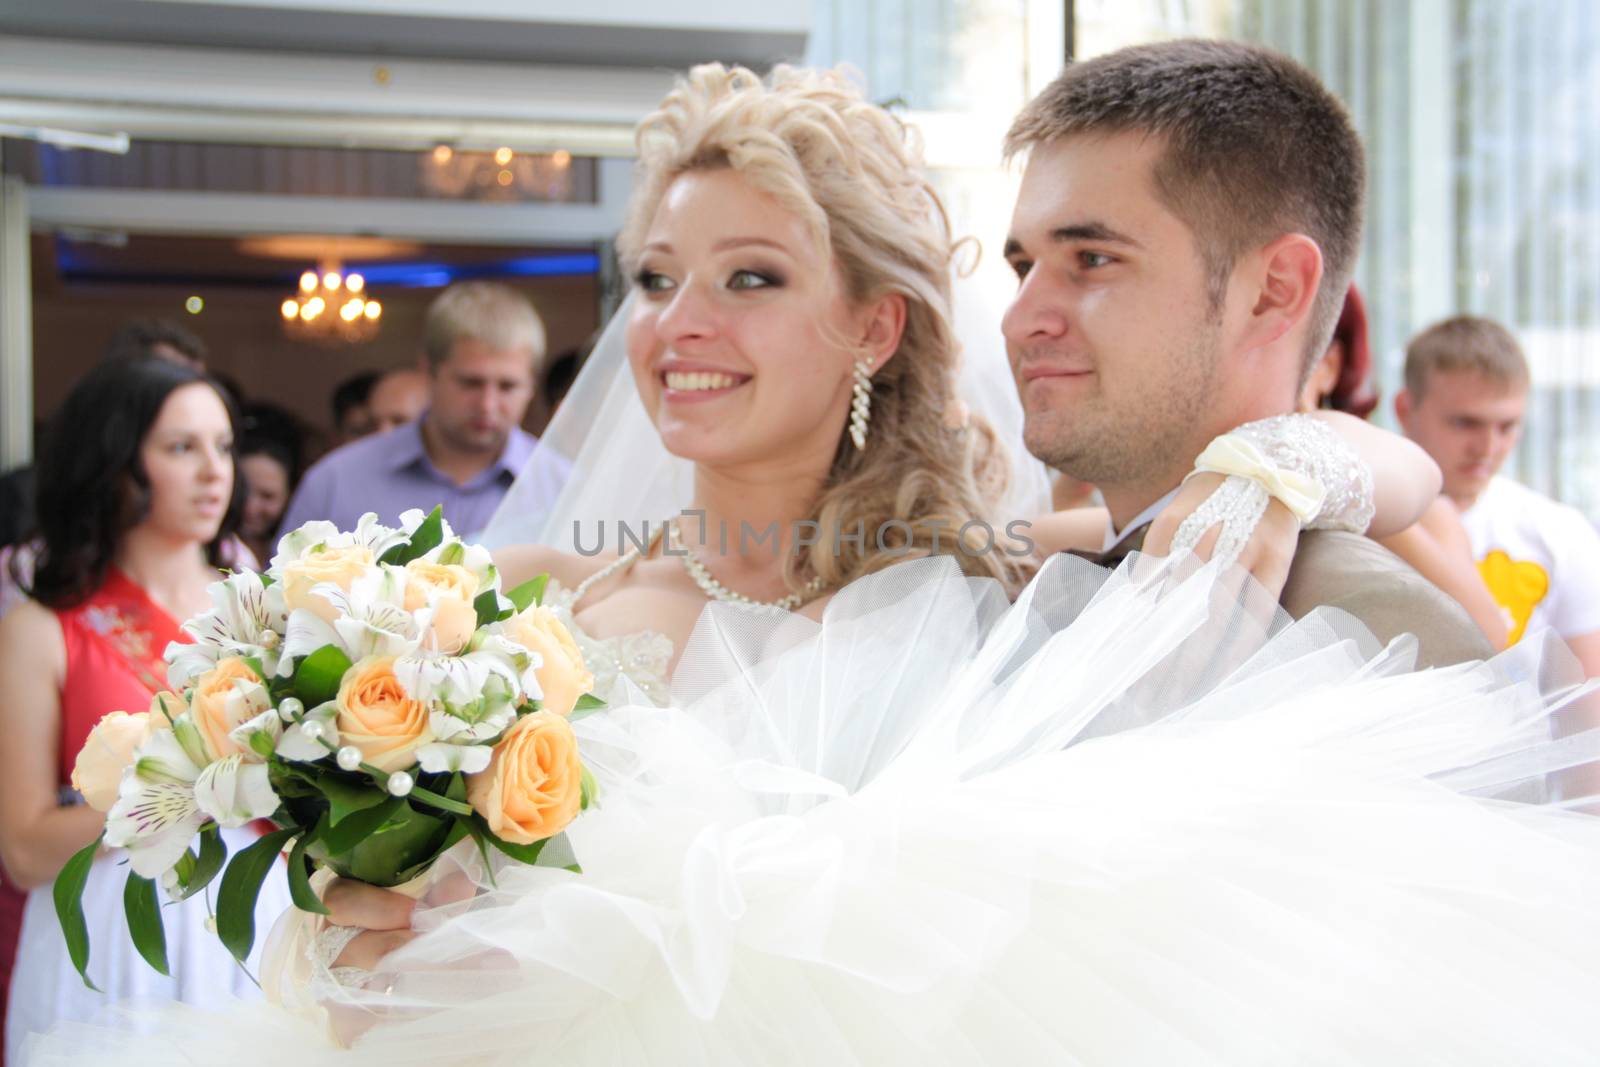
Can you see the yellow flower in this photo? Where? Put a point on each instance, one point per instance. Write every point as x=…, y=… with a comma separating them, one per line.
x=533, y=785
x=97, y=773
x=564, y=677
x=451, y=588
x=377, y=717
x=341, y=566
x=219, y=703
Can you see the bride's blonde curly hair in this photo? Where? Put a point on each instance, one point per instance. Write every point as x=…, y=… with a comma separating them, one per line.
x=854, y=175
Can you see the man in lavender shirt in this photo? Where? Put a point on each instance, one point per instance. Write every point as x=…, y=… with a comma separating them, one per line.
x=481, y=347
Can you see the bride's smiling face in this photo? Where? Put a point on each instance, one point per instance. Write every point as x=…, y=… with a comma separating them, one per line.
x=740, y=329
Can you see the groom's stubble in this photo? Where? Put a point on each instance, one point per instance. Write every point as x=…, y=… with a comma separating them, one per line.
x=1140, y=434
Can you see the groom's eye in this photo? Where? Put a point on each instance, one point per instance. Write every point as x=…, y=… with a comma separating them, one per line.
x=1021, y=267
x=1091, y=260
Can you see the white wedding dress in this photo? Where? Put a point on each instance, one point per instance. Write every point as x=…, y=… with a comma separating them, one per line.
x=1124, y=821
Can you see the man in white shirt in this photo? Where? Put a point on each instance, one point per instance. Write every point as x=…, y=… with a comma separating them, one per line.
x=1465, y=394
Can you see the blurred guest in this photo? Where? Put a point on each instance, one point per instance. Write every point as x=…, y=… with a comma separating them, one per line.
x=268, y=472
x=482, y=342
x=399, y=397
x=352, y=418
x=1466, y=389
x=1436, y=546
x=160, y=338
x=137, y=497
x=266, y=421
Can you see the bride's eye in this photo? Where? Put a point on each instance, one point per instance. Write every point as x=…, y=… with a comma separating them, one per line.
x=749, y=279
x=653, y=282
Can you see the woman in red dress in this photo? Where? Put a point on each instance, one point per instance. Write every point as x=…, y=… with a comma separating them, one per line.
x=137, y=498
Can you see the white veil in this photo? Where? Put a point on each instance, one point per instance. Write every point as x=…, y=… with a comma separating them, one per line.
x=620, y=473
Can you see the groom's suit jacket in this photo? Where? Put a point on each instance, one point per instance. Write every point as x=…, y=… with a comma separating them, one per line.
x=1358, y=575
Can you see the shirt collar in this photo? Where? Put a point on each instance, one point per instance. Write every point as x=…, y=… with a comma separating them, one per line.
x=514, y=456
x=1114, y=537
x=406, y=449
x=404, y=446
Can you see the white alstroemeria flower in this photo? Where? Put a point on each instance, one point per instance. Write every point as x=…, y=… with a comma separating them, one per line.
x=452, y=680
x=267, y=724
x=523, y=660
x=445, y=759
x=156, y=815
x=234, y=791
x=247, y=619
x=155, y=822
x=371, y=619
x=318, y=535
x=294, y=743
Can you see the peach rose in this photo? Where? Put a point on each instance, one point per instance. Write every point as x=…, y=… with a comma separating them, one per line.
x=341, y=566
x=377, y=717
x=452, y=588
x=219, y=703
x=533, y=785
x=563, y=677
x=108, y=752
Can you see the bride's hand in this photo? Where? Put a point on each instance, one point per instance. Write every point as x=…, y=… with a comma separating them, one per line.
x=1266, y=556
x=383, y=916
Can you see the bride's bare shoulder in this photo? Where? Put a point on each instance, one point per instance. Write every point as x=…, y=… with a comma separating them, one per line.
x=518, y=563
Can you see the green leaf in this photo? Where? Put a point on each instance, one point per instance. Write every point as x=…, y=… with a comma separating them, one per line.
x=487, y=605
x=453, y=553
x=425, y=539
x=68, y=894
x=212, y=853
x=345, y=798
x=319, y=675
x=299, y=878
x=480, y=837
x=587, y=705
x=255, y=664
x=241, y=885
x=522, y=853
x=529, y=593
x=434, y=800
x=144, y=921
x=589, y=790
x=358, y=826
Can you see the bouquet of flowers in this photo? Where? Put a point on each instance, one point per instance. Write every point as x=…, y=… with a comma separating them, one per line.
x=374, y=694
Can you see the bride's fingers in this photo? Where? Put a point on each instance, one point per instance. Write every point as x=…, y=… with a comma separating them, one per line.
x=1158, y=541
x=352, y=903
x=367, y=950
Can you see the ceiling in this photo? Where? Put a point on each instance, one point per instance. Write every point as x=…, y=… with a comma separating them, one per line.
x=628, y=33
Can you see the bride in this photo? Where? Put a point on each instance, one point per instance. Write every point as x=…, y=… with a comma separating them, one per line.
x=1117, y=821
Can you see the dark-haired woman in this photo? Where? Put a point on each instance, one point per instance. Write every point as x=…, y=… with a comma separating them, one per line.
x=137, y=497
x=267, y=469
x=1436, y=545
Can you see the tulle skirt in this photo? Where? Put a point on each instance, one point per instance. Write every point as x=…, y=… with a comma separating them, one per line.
x=1142, y=819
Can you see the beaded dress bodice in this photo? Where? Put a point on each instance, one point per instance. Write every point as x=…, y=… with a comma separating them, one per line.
x=643, y=658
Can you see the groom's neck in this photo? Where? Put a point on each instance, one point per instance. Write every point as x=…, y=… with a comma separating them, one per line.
x=1127, y=502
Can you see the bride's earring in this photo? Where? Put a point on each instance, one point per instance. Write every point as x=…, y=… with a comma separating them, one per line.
x=861, y=403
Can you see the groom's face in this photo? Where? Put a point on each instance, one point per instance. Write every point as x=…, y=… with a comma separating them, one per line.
x=1112, y=336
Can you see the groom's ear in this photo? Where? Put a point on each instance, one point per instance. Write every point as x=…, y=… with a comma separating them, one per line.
x=884, y=325
x=1290, y=272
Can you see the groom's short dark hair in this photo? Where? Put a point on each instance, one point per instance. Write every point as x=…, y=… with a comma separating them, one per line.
x=1255, y=146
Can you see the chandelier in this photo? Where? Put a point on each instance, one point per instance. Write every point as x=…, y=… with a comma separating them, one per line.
x=331, y=308
x=499, y=175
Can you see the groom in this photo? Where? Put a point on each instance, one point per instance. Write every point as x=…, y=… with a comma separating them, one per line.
x=1187, y=226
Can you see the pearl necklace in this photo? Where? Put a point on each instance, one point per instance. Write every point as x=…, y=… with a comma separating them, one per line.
x=715, y=590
